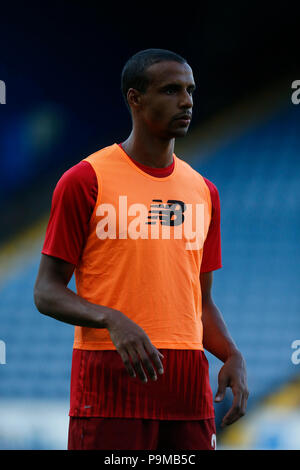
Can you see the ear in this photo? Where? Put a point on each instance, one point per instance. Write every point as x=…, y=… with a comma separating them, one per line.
x=133, y=98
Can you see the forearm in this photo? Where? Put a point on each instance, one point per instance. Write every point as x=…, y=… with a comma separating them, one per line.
x=216, y=337
x=55, y=299
x=61, y=303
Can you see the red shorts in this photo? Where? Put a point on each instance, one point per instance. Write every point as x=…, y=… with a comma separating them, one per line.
x=140, y=434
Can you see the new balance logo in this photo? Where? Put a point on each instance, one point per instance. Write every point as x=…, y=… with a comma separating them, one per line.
x=171, y=220
x=170, y=213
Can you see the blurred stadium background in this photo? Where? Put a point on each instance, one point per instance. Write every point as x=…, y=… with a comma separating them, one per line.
x=61, y=63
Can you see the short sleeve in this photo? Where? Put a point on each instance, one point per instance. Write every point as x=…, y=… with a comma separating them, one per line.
x=212, y=258
x=73, y=202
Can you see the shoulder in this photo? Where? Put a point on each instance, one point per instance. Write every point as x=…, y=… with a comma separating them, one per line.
x=214, y=196
x=81, y=179
x=80, y=175
x=103, y=156
x=190, y=172
x=78, y=186
x=211, y=186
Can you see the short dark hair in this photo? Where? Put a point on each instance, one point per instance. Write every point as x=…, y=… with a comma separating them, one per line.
x=134, y=71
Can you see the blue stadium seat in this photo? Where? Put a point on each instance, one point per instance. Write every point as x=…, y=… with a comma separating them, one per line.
x=258, y=178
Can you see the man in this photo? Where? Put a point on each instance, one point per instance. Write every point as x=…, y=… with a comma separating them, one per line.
x=141, y=229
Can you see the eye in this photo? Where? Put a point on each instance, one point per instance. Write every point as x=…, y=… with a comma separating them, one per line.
x=191, y=90
x=171, y=90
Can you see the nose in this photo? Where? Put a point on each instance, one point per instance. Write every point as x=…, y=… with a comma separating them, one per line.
x=186, y=101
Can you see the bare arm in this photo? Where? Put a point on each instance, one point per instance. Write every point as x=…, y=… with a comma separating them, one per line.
x=52, y=297
x=216, y=337
x=217, y=340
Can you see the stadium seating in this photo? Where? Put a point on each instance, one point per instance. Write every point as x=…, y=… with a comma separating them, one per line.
x=257, y=290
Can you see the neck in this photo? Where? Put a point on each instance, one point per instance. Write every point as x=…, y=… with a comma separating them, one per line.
x=149, y=150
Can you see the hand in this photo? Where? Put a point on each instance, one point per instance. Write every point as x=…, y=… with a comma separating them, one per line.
x=133, y=344
x=233, y=375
